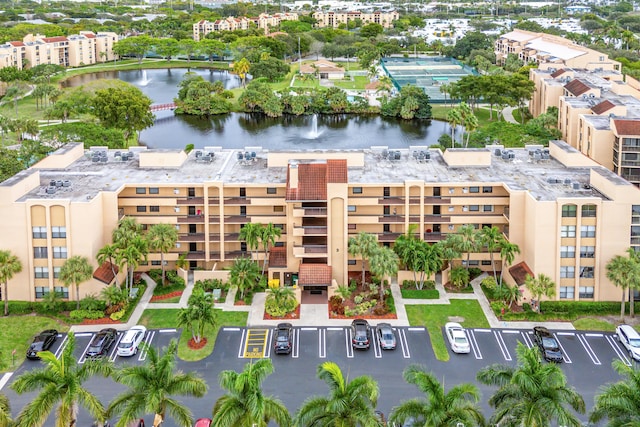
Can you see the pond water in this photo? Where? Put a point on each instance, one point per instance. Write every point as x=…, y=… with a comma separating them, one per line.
x=239, y=130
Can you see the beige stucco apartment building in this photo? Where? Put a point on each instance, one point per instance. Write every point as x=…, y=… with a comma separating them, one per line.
x=568, y=214
x=264, y=21
x=333, y=19
x=68, y=51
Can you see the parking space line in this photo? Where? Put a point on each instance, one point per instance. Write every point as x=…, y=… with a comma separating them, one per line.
x=526, y=339
x=83, y=334
x=404, y=343
x=565, y=333
x=5, y=379
x=295, y=351
x=83, y=358
x=474, y=344
x=167, y=331
x=334, y=329
x=377, y=351
x=510, y=331
x=60, y=349
x=593, y=335
x=482, y=330
x=147, y=340
x=231, y=329
x=114, y=351
x=309, y=329
x=502, y=345
x=416, y=329
x=242, y=341
x=565, y=356
x=621, y=353
x=322, y=343
x=266, y=351
x=347, y=337
x=589, y=350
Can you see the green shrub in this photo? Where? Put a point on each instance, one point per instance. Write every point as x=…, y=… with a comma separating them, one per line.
x=580, y=307
x=117, y=315
x=21, y=307
x=156, y=275
x=86, y=314
x=272, y=307
x=210, y=284
x=489, y=282
x=474, y=272
x=358, y=299
x=91, y=302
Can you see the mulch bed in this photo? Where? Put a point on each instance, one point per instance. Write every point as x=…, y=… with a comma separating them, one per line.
x=295, y=314
x=166, y=296
x=240, y=302
x=197, y=346
x=363, y=316
x=101, y=321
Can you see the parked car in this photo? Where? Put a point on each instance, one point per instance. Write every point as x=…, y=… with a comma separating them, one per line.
x=284, y=335
x=102, y=342
x=361, y=334
x=457, y=338
x=547, y=344
x=128, y=345
x=386, y=337
x=630, y=339
x=41, y=342
x=202, y=422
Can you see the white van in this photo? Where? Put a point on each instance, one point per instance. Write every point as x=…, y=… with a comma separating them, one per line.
x=630, y=339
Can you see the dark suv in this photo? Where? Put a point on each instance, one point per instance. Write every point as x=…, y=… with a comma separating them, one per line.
x=361, y=334
x=282, y=344
x=547, y=344
x=102, y=342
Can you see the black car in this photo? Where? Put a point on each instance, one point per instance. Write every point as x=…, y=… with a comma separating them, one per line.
x=41, y=342
x=282, y=342
x=361, y=334
x=547, y=344
x=102, y=342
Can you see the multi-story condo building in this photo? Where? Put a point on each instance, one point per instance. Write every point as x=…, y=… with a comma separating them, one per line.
x=333, y=19
x=568, y=214
x=538, y=48
x=70, y=51
x=264, y=21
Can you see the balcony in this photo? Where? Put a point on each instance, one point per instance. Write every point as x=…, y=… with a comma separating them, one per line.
x=191, y=219
x=312, y=230
x=237, y=201
x=391, y=201
x=434, y=237
x=312, y=212
x=233, y=255
x=214, y=200
x=191, y=201
x=237, y=219
x=310, y=251
x=436, y=200
x=634, y=148
x=388, y=237
x=191, y=237
x=391, y=219
x=195, y=255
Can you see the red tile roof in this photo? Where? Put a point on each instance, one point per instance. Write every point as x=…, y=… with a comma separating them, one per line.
x=89, y=35
x=337, y=171
x=558, y=73
x=314, y=274
x=54, y=39
x=104, y=273
x=576, y=87
x=278, y=256
x=602, y=107
x=519, y=272
x=16, y=43
x=627, y=127
x=312, y=182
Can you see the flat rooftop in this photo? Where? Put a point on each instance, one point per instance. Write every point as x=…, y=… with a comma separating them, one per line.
x=83, y=179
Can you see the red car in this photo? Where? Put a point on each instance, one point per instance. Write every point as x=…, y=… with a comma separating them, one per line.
x=202, y=422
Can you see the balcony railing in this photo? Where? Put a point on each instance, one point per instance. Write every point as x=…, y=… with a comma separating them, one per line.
x=434, y=237
x=312, y=212
x=237, y=201
x=310, y=230
x=391, y=200
x=237, y=219
x=191, y=201
x=191, y=219
x=191, y=237
x=388, y=236
x=193, y=255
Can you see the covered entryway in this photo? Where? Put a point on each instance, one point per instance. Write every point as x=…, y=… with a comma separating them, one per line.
x=314, y=279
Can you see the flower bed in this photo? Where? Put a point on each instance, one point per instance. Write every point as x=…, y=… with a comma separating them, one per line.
x=363, y=316
x=197, y=346
x=170, y=295
x=101, y=321
x=295, y=314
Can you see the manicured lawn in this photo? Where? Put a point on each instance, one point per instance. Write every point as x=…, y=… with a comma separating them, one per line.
x=358, y=82
x=420, y=294
x=16, y=333
x=168, y=318
x=434, y=317
x=593, y=324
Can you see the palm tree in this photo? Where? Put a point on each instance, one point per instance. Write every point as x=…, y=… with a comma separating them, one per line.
x=491, y=238
x=244, y=404
x=280, y=299
x=364, y=244
x=5, y=411
x=621, y=271
x=454, y=117
x=268, y=235
x=450, y=247
x=468, y=240
x=619, y=402
x=349, y=404
x=74, y=271
x=241, y=68
x=10, y=265
x=243, y=274
x=458, y=406
x=128, y=228
x=540, y=286
x=532, y=393
x=508, y=253
x=198, y=314
x=108, y=253
x=131, y=255
x=635, y=284
x=384, y=262
x=250, y=233
x=60, y=382
x=152, y=387
x=161, y=238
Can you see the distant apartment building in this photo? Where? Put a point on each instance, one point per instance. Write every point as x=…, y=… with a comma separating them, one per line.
x=333, y=19
x=264, y=21
x=68, y=51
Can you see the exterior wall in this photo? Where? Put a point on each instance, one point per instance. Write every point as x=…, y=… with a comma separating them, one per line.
x=334, y=19
x=597, y=144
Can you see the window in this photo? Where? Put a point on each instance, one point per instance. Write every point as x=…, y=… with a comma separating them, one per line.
x=474, y=208
x=568, y=231
x=487, y=189
x=474, y=189
x=589, y=211
x=144, y=227
x=59, y=252
x=567, y=292
x=352, y=262
x=279, y=226
x=587, y=251
x=58, y=232
x=586, y=272
x=272, y=190
x=40, y=252
x=486, y=262
x=141, y=208
x=154, y=208
x=567, y=272
x=569, y=211
x=278, y=208
x=451, y=227
x=141, y=190
x=41, y=272
x=56, y=272
x=154, y=262
x=62, y=291
x=567, y=251
x=154, y=190
x=487, y=208
x=588, y=231
x=357, y=190
x=351, y=208
x=586, y=292
x=42, y=291
x=39, y=232
x=351, y=226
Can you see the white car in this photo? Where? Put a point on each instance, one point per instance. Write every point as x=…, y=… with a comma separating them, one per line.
x=630, y=339
x=128, y=345
x=457, y=338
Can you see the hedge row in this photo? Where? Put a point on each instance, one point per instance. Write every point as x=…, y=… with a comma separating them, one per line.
x=28, y=307
x=581, y=307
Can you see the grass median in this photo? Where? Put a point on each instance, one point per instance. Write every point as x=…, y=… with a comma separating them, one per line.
x=434, y=317
x=168, y=318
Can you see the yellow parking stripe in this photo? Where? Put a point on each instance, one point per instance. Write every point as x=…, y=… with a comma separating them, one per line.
x=255, y=345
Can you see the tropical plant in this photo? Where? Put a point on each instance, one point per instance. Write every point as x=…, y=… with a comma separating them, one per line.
x=619, y=402
x=450, y=247
x=250, y=233
x=198, y=314
x=491, y=238
x=131, y=255
x=5, y=411
x=468, y=241
x=152, y=388
x=418, y=256
x=532, y=393
x=458, y=406
x=60, y=382
x=363, y=244
x=108, y=253
x=244, y=404
x=622, y=272
x=344, y=292
x=10, y=265
x=244, y=274
x=349, y=403
x=113, y=295
x=454, y=117
x=459, y=277
x=540, y=286
x=635, y=284
x=74, y=271
x=508, y=253
x=162, y=238
x=280, y=301
x=267, y=236
x=241, y=68
x=384, y=262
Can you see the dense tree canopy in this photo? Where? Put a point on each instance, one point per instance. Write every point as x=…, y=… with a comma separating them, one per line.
x=123, y=108
x=412, y=103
